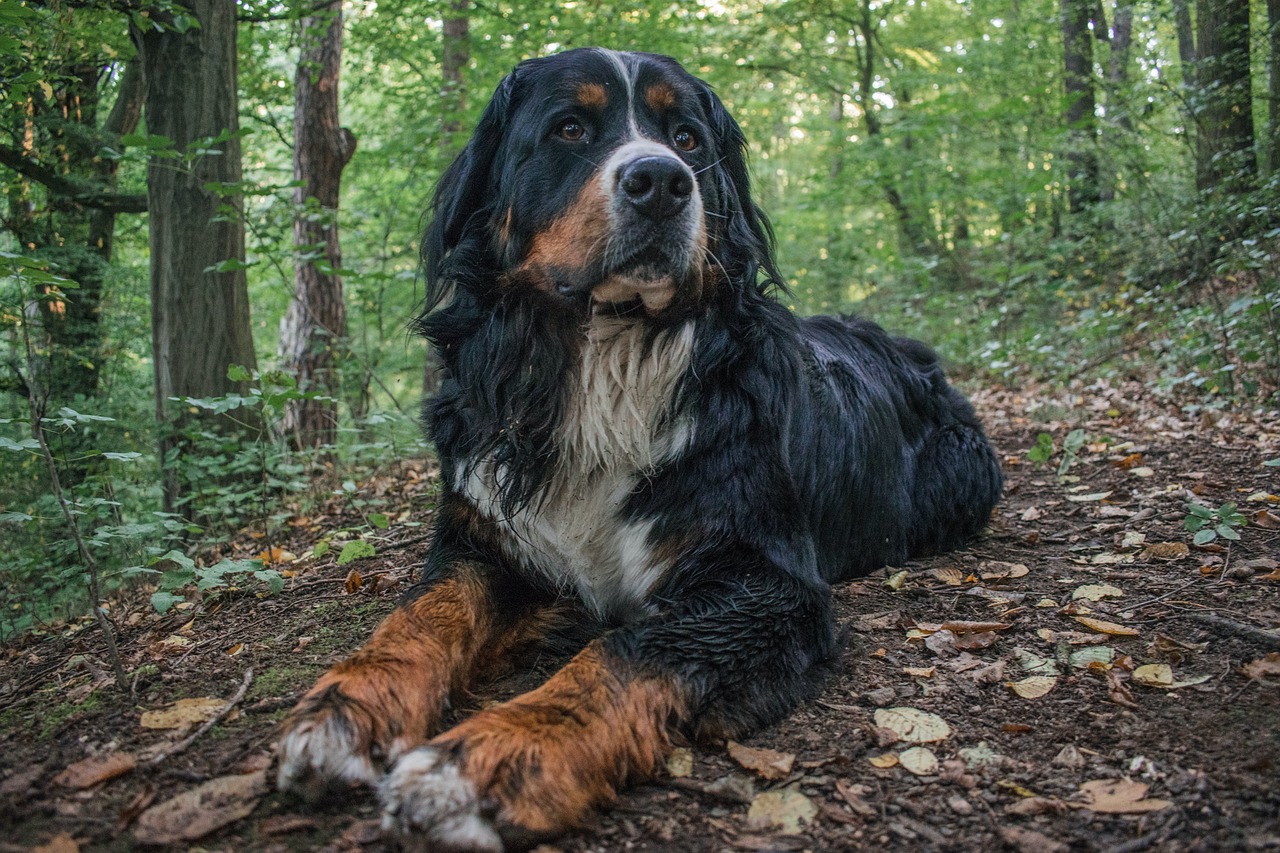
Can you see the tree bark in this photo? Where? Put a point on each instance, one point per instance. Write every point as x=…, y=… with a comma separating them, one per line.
x=1225, y=155
x=1081, y=154
x=1272, y=147
x=313, y=331
x=199, y=296
x=455, y=53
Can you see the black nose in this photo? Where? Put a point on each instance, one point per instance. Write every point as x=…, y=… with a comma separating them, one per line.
x=658, y=187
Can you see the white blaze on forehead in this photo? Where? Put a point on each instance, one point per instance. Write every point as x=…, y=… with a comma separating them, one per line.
x=625, y=71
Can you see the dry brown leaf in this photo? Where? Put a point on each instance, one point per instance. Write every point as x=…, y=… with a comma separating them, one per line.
x=1032, y=806
x=353, y=581
x=184, y=713
x=854, y=795
x=61, y=843
x=884, y=761
x=1034, y=686
x=913, y=725
x=98, y=768
x=195, y=813
x=1102, y=626
x=1029, y=841
x=1031, y=514
x=920, y=671
x=950, y=576
x=1266, y=520
x=1127, y=462
x=1119, y=796
x=962, y=627
x=767, y=763
x=990, y=570
x=1089, y=498
x=1166, y=551
x=680, y=762
x=785, y=810
x=976, y=641
x=1096, y=592
x=1264, y=668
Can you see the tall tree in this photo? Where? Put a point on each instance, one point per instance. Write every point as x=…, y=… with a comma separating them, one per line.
x=1225, y=155
x=1272, y=147
x=199, y=296
x=314, y=328
x=1077, y=55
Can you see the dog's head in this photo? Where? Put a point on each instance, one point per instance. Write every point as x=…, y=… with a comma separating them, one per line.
x=600, y=179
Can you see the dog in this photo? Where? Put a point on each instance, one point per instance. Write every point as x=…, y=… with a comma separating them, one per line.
x=635, y=437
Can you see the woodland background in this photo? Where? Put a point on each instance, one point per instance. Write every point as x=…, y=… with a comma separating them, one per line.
x=1049, y=191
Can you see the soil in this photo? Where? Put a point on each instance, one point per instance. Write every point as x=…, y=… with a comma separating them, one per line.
x=1193, y=766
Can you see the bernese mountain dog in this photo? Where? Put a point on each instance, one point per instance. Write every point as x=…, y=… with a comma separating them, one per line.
x=636, y=438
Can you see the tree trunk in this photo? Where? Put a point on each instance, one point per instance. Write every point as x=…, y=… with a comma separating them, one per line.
x=1081, y=155
x=1272, y=146
x=455, y=53
x=199, y=296
x=314, y=329
x=1225, y=155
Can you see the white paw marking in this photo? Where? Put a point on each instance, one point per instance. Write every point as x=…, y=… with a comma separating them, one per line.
x=317, y=756
x=431, y=806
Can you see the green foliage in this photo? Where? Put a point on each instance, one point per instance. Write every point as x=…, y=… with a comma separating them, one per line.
x=1044, y=450
x=1208, y=524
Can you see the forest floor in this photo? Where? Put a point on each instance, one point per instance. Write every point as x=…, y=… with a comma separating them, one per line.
x=1081, y=678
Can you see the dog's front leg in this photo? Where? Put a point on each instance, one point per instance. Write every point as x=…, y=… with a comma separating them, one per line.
x=722, y=656
x=390, y=695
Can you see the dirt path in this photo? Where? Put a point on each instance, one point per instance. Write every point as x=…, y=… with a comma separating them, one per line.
x=1103, y=760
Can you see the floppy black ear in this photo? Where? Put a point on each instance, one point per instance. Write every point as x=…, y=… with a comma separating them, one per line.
x=465, y=190
x=746, y=245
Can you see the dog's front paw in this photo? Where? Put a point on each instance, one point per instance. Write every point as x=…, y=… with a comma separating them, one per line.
x=430, y=805
x=327, y=748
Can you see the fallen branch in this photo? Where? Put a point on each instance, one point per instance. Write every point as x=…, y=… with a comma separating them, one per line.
x=1268, y=639
x=208, y=724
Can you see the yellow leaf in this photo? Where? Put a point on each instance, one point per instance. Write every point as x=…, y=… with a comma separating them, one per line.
x=1034, y=686
x=680, y=763
x=919, y=760
x=183, y=713
x=768, y=763
x=994, y=570
x=913, y=725
x=885, y=761
x=1102, y=626
x=785, y=810
x=1096, y=592
x=920, y=671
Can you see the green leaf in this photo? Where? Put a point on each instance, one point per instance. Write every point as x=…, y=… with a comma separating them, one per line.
x=1272, y=463
x=355, y=550
x=1227, y=532
x=1200, y=510
x=238, y=373
x=321, y=549
x=271, y=578
x=163, y=601
x=1205, y=536
x=122, y=457
x=18, y=446
x=14, y=517
x=379, y=520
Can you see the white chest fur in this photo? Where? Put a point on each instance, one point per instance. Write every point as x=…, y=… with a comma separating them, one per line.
x=617, y=429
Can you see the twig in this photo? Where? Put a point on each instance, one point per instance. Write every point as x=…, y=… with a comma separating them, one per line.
x=208, y=724
x=1151, y=601
x=1263, y=637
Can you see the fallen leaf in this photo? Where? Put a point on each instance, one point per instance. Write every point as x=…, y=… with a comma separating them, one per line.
x=1166, y=551
x=184, y=713
x=913, y=725
x=1069, y=756
x=1266, y=520
x=980, y=756
x=1032, y=806
x=1096, y=592
x=949, y=576
x=195, y=813
x=1034, y=663
x=1119, y=796
x=990, y=570
x=1263, y=669
x=1089, y=498
x=1142, y=471
x=976, y=641
x=1030, y=841
x=61, y=843
x=919, y=760
x=680, y=763
x=283, y=824
x=766, y=763
x=1082, y=658
x=854, y=795
x=965, y=627
x=785, y=810
x=140, y=803
x=1104, y=627
x=920, y=671
x=1128, y=462
x=1161, y=675
x=1033, y=687
x=353, y=581
x=98, y=768
x=1109, y=559
x=884, y=761
x=1031, y=514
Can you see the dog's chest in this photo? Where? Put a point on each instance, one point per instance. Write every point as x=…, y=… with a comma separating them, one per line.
x=618, y=427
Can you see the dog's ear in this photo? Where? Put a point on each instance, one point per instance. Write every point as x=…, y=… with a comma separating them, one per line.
x=746, y=245
x=465, y=190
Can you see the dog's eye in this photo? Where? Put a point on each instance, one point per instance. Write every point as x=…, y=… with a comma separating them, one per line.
x=684, y=139
x=572, y=130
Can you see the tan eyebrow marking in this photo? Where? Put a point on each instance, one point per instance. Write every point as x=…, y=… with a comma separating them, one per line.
x=592, y=96
x=660, y=97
